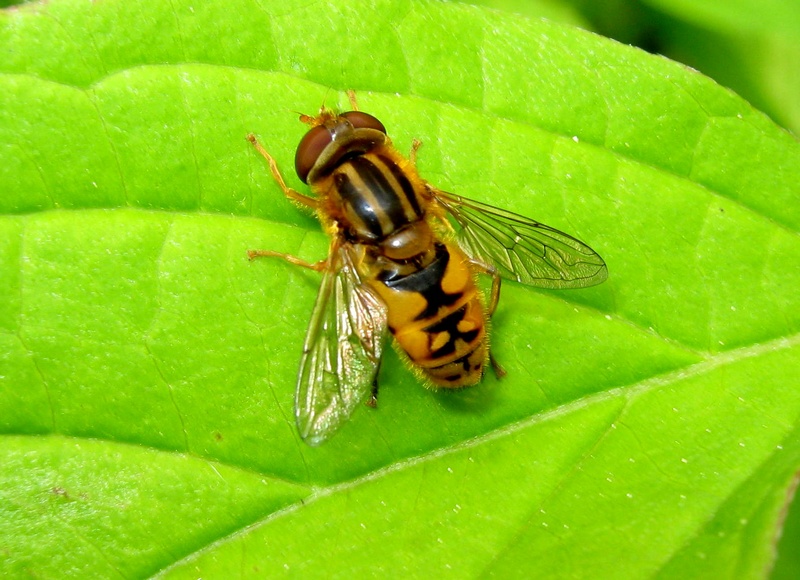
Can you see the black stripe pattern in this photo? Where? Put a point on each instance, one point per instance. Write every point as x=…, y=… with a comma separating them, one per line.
x=428, y=282
x=374, y=197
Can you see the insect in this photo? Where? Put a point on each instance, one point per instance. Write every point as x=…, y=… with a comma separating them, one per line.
x=397, y=264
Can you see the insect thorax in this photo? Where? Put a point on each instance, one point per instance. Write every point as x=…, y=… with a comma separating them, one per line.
x=375, y=197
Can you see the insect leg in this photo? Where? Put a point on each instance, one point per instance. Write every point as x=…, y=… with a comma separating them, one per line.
x=276, y=174
x=318, y=266
x=499, y=371
x=435, y=207
x=494, y=298
x=373, y=398
x=482, y=268
x=412, y=155
x=351, y=94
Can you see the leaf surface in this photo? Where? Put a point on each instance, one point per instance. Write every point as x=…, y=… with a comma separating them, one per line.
x=648, y=425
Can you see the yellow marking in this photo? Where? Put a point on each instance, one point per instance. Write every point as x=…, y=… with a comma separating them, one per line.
x=440, y=340
x=403, y=307
x=383, y=218
x=408, y=209
x=457, y=276
x=416, y=346
x=465, y=326
x=418, y=325
x=426, y=361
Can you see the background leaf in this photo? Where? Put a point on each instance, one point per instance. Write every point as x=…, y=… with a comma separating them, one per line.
x=147, y=368
x=750, y=46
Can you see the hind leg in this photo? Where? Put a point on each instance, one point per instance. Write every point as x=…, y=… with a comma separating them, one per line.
x=494, y=298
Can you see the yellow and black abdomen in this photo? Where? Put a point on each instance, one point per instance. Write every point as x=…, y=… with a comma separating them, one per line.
x=436, y=316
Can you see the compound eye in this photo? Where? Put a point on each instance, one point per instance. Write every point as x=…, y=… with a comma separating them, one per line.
x=311, y=147
x=361, y=120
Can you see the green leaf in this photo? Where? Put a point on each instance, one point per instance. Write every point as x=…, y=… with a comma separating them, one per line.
x=562, y=12
x=751, y=46
x=648, y=425
x=770, y=16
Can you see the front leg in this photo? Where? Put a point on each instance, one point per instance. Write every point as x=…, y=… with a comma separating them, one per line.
x=351, y=95
x=292, y=194
x=412, y=155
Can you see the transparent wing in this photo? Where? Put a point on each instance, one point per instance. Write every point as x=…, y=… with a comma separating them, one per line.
x=341, y=353
x=522, y=249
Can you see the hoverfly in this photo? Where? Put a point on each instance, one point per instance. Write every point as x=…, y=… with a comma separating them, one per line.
x=397, y=263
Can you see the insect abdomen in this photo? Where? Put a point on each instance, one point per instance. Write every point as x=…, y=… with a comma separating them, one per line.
x=436, y=316
x=456, y=345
